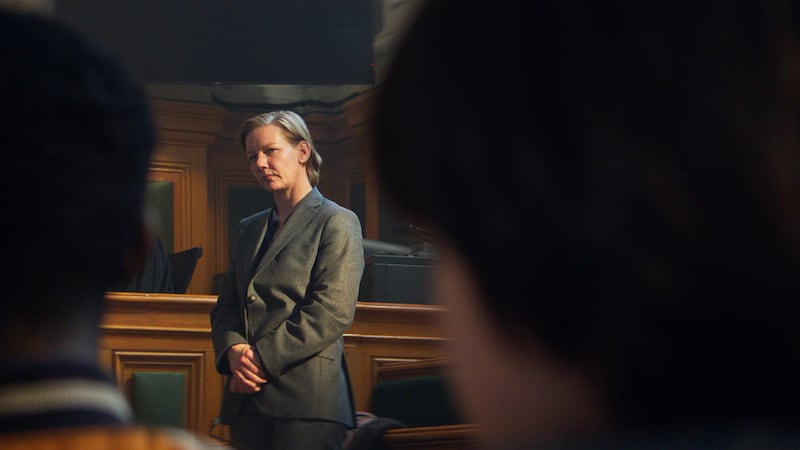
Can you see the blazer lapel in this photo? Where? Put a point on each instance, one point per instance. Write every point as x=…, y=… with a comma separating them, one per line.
x=253, y=240
x=303, y=213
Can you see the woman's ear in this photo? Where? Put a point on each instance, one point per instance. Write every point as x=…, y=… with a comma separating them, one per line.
x=303, y=151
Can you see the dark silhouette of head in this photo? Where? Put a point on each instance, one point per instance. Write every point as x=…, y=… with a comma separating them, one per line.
x=77, y=137
x=623, y=179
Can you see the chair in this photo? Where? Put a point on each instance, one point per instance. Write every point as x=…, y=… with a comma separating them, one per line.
x=158, y=398
x=411, y=409
x=415, y=393
x=183, y=264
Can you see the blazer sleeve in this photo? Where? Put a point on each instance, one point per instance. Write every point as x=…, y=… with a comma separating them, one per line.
x=331, y=298
x=227, y=324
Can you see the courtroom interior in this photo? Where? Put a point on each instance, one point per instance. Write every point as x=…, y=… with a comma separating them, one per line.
x=156, y=341
x=210, y=65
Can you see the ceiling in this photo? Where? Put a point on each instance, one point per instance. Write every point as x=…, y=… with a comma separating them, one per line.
x=393, y=18
x=390, y=18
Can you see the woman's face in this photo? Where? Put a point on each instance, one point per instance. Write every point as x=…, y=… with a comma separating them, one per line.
x=276, y=163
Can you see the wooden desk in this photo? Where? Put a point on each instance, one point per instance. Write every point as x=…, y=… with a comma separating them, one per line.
x=172, y=333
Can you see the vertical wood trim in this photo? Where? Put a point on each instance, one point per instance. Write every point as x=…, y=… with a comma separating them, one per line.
x=224, y=180
x=185, y=133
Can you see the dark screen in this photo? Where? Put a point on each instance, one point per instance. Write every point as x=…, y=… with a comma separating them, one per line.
x=233, y=42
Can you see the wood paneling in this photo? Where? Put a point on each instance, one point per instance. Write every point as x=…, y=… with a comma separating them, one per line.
x=441, y=437
x=171, y=332
x=164, y=333
x=222, y=179
x=422, y=368
x=359, y=113
x=189, y=364
x=185, y=133
x=198, y=151
x=445, y=437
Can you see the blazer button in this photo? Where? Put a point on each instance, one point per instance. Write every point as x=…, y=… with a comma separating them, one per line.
x=252, y=299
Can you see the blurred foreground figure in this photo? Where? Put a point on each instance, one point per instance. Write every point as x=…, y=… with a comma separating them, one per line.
x=616, y=187
x=77, y=137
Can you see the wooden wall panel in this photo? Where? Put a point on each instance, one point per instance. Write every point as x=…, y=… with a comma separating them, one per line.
x=383, y=333
x=189, y=364
x=366, y=354
x=226, y=170
x=445, y=437
x=332, y=140
x=359, y=114
x=171, y=332
x=179, y=174
x=227, y=167
x=185, y=133
x=198, y=151
x=164, y=332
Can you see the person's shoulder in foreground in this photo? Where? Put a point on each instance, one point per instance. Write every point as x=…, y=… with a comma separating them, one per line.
x=614, y=186
x=77, y=137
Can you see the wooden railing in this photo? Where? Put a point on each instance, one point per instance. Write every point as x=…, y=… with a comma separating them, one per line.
x=172, y=333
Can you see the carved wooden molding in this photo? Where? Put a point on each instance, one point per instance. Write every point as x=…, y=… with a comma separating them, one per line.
x=151, y=314
x=223, y=180
x=367, y=354
x=197, y=118
x=383, y=333
x=180, y=175
x=185, y=138
x=396, y=370
x=356, y=339
x=375, y=318
x=443, y=437
x=360, y=110
x=164, y=332
x=125, y=363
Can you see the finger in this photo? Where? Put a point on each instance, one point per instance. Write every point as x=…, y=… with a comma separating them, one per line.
x=249, y=381
x=251, y=360
x=254, y=378
x=254, y=371
x=250, y=372
x=248, y=366
x=245, y=365
x=246, y=388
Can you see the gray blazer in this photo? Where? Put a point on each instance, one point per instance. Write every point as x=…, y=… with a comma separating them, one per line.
x=293, y=308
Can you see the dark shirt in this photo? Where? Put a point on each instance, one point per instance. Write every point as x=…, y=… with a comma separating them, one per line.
x=273, y=222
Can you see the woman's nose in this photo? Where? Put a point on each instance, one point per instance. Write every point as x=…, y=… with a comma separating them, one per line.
x=262, y=161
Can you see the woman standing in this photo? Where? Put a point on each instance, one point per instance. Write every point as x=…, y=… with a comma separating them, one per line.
x=287, y=299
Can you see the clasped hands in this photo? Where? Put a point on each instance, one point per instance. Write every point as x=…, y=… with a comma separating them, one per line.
x=248, y=376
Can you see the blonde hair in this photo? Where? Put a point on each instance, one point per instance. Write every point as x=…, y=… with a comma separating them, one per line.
x=294, y=129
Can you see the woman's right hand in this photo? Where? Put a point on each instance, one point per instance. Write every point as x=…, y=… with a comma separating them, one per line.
x=248, y=376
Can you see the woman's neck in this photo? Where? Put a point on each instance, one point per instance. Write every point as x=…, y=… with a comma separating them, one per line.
x=285, y=201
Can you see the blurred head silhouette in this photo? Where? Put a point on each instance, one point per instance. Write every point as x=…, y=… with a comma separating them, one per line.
x=77, y=136
x=615, y=186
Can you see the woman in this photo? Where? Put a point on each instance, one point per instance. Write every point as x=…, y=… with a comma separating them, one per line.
x=287, y=299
